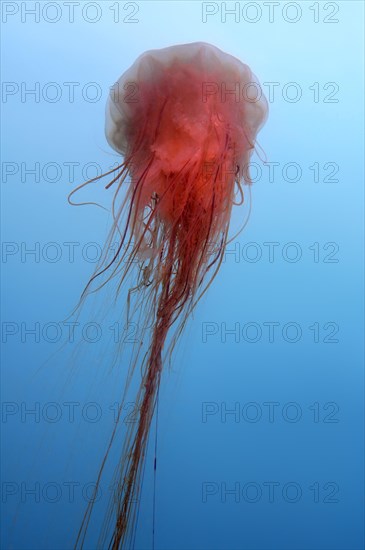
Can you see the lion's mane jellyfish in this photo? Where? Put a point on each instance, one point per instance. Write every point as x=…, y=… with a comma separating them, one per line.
x=185, y=119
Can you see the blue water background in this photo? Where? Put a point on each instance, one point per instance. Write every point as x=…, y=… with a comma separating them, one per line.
x=285, y=469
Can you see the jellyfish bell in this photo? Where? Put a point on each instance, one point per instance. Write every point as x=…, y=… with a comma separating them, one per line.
x=185, y=119
x=205, y=94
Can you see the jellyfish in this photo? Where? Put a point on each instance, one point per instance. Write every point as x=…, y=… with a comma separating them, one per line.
x=185, y=120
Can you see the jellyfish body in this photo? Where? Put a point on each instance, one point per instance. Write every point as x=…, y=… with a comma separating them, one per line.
x=185, y=119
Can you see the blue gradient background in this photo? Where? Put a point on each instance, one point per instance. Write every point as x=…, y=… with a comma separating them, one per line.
x=225, y=372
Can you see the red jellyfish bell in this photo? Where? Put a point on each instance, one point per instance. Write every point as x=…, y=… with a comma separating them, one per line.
x=185, y=119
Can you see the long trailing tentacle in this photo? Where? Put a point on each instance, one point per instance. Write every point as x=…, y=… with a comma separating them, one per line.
x=179, y=265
